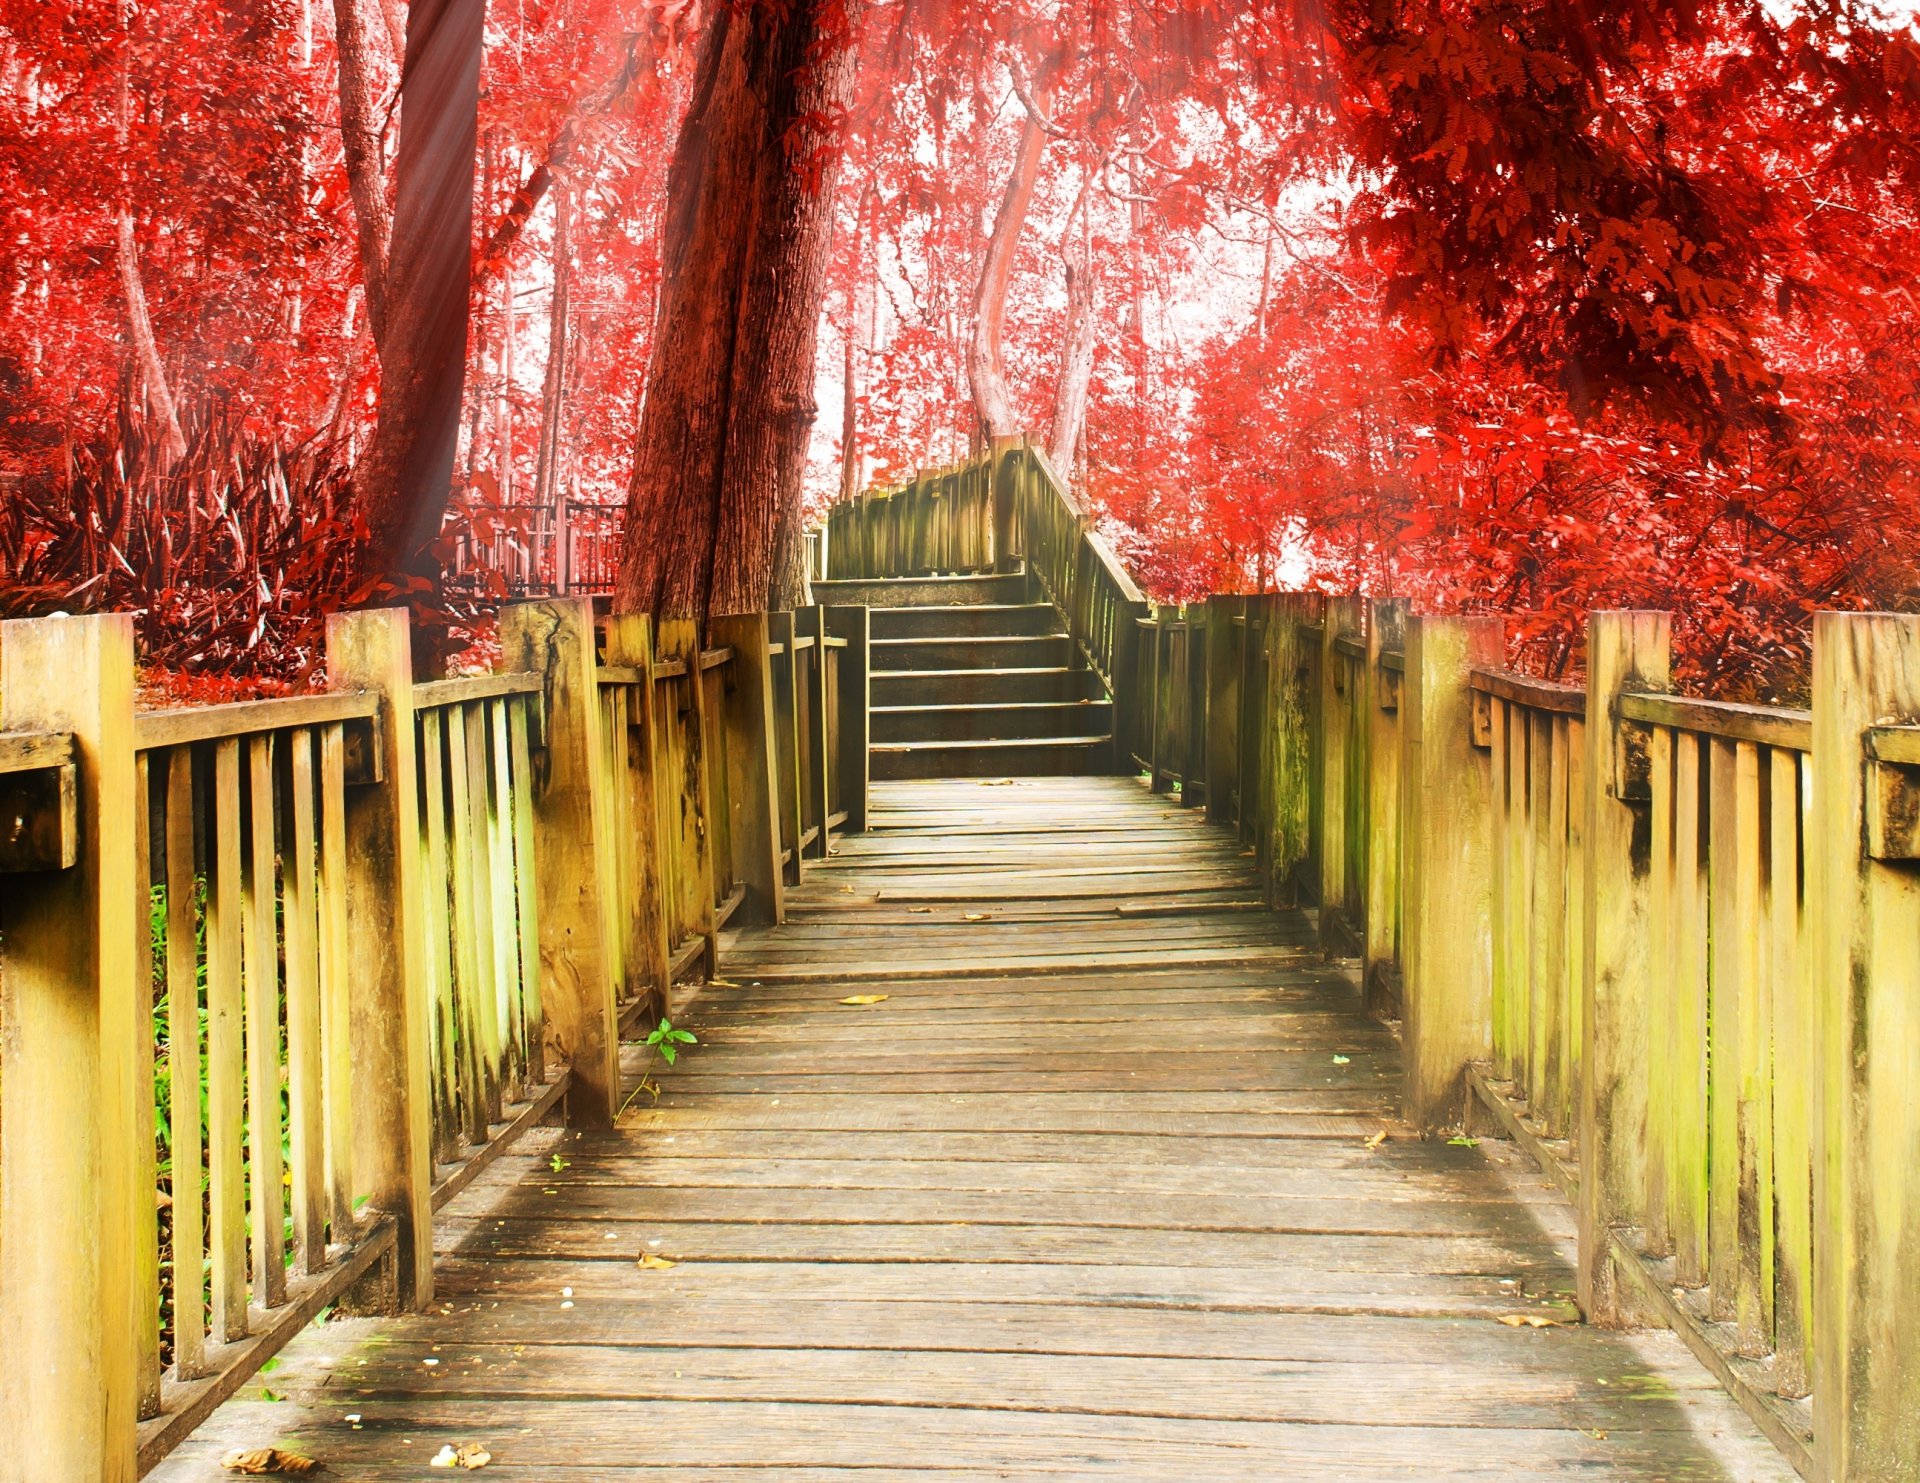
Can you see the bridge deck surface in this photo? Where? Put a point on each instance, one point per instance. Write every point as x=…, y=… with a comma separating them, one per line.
x=1097, y=1190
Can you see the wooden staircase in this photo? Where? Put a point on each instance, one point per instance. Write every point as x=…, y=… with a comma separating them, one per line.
x=973, y=678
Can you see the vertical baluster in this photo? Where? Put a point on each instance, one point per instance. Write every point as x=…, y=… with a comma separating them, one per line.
x=262, y=957
x=336, y=1039
x=1661, y=924
x=1502, y=814
x=1794, y=1030
x=1550, y=930
x=145, y=1256
x=1724, y=1008
x=446, y=1039
x=1514, y=928
x=1752, y=1074
x=183, y=1070
x=506, y=934
x=466, y=934
x=527, y=893
x=1687, y=1184
x=226, y=1107
x=1542, y=905
x=306, y=1130
x=484, y=1003
x=1577, y=866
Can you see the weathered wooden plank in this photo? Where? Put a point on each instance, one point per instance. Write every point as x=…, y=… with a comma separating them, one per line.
x=266, y=1202
x=473, y=689
x=1055, y=1205
x=180, y=727
x=70, y=1197
x=1624, y=651
x=184, y=1069
x=226, y=1074
x=1445, y=796
x=306, y=1084
x=1864, y=969
x=386, y=952
x=569, y=820
x=1769, y=726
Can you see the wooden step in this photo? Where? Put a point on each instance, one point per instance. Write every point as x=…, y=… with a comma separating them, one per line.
x=984, y=686
x=989, y=722
x=977, y=620
x=1036, y=651
x=1060, y=756
x=913, y=592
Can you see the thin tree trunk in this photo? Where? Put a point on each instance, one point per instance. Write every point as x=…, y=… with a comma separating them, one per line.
x=1076, y=347
x=553, y=390
x=173, y=443
x=362, y=135
x=986, y=355
x=1266, y=283
x=503, y=403
x=713, y=513
x=859, y=289
x=406, y=477
x=539, y=181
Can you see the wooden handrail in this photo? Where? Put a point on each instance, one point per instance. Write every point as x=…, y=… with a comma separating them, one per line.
x=34, y=751
x=182, y=725
x=471, y=689
x=1771, y=726
x=1540, y=695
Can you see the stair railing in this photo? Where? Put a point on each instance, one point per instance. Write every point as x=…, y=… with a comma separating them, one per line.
x=1081, y=576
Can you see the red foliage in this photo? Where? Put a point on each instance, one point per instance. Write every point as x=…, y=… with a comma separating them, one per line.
x=1520, y=304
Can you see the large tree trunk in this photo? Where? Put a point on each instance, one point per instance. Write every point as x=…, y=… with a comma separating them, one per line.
x=406, y=477
x=713, y=514
x=986, y=355
x=1076, y=348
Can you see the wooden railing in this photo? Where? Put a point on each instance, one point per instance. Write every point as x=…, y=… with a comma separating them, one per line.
x=941, y=522
x=297, y=969
x=1008, y=512
x=1671, y=945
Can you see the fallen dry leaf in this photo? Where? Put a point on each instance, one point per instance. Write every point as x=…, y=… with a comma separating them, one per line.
x=1376, y=1140
x=866, y=999
x=651, y=1263
x=261, y=1462
x=978, y=916
x=922, y=910
x=1528, y=1321
x=468, y=1455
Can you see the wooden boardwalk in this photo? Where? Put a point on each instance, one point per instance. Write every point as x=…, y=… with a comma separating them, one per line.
x=1097, y=1190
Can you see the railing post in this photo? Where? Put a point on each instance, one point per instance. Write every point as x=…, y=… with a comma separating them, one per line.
x=1221, y=723
x=1625, y=651
x=554, y=639
x=1336, y=803
x=1380, y=699
x=811, y=622
x=1445, y=799
x=1282, y=835
x=752, y=763
x=1009, y=457
x=789, y=795
x=855, y=719
x=1864, y=903
x=387, y=959
x=73, y=1206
